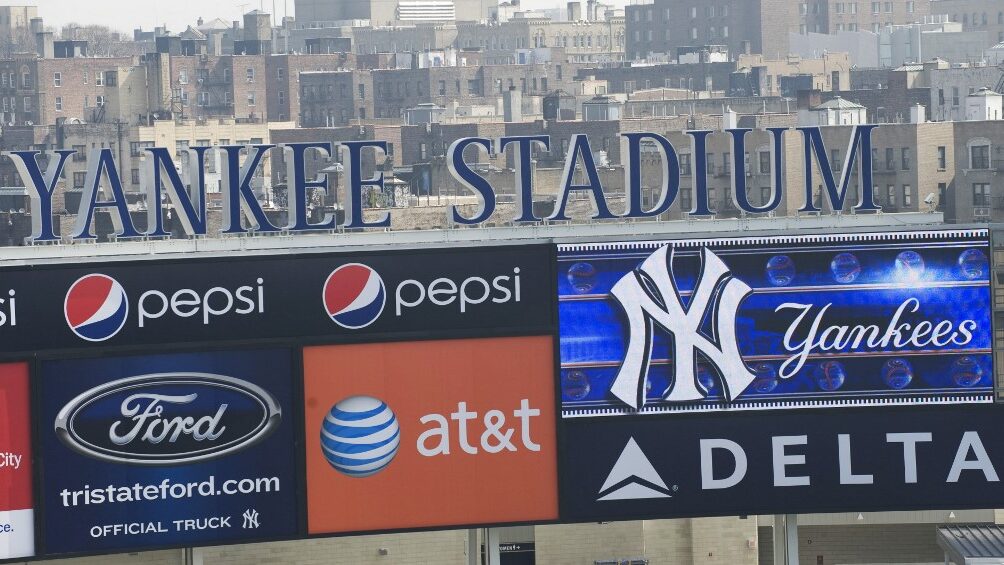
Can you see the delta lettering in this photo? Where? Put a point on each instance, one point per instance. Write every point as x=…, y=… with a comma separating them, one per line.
x=242, y=213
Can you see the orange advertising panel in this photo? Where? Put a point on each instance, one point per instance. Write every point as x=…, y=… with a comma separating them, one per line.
x=432, y=433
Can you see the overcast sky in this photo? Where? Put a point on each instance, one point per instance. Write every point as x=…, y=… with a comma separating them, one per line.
x=126, y=15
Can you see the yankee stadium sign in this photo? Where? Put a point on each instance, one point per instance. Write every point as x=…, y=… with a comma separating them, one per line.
x=242, y=212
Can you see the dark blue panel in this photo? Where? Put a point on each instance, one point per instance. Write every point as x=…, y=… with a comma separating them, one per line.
x=107, y=425
x=875, y=463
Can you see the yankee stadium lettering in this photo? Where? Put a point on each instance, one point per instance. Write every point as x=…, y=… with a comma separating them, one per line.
x=242, y=212
x=167, y=418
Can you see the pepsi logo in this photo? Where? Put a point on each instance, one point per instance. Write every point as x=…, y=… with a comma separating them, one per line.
x=96, y=307
x=354, y=296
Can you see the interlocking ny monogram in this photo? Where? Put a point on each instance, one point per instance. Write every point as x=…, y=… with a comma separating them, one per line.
x=649, y=296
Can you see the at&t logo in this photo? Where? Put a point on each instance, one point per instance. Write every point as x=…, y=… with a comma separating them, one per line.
x=354, y=296
x=96, y=307
x=360, y=436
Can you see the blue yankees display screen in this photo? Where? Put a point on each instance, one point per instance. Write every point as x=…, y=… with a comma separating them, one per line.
x=167, y=450
x=775, y=322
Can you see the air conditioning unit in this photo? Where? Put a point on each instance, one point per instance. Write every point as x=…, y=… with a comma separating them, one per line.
x=203, y=57
x=981, y=212
x=362, y=130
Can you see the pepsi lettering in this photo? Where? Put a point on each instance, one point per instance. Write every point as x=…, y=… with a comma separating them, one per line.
x=215, y=301
x=444, y=291
x=8, y=309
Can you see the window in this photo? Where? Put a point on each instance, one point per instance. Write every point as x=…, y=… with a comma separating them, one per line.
x=136, y=147
x=890, y=195
x=981, y=194
x=27, y=103
x=85, y=74
x=875, y=7
x=78, y=179
x=765, y=162
x=803, y=8
x=282, y=98
x=182, y=76
x=685, y=200
x=280, y=74
x=890, y=159
x=907, y=196
x=941, y=158
x=693, y=33
x=709, y=163
x=251, y=98
x=693, y=12
x=99, y=78
x=909, y=7
x=250, y=74
x=685, y=164
x=854, y=7
x=59, y=103
x=979, y=157
x=904, y=155
x=629, y=86
x=226, y=76
x=203, y=99
x=888, y=7
x=57, y=79
x=442, y=87
x=835, y=159
x=955, y=96
x=25, y=79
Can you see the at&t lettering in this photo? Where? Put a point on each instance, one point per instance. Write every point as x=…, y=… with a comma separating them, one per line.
x=495, y=435
x=210, y=303
x=444, y=292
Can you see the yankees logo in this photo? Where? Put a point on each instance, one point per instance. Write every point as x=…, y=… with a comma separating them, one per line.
x=649, y=297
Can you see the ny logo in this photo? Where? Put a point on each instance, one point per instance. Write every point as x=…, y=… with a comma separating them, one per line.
x=250, y=519
x=649, y=298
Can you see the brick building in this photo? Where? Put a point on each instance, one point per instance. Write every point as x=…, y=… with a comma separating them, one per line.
x=335, y=98
x=756, y=26
x=975, y=15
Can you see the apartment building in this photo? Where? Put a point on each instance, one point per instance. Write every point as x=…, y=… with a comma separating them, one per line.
x=756, y=26
x=975, y=15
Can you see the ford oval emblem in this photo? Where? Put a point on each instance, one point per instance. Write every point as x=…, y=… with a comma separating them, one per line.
x=167, y=418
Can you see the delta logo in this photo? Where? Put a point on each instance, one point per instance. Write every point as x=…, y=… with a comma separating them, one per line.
x=399, y=424
x=96, y=307
x=354, y=296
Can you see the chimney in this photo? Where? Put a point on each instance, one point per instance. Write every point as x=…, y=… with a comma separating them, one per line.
x=512, y=105
x=44, y=45
x=37, y=25
x=199, y=21
x=575, y=11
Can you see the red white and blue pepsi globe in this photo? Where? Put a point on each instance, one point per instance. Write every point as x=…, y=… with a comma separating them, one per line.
x=96, y=307
x=360, y=436
x=354, y=296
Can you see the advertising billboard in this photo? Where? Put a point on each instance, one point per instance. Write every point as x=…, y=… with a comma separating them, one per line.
x=430, y=434
x=17, y=516
x=255, y=298
x=167, y=450
x=868, y=319
x=782, y=462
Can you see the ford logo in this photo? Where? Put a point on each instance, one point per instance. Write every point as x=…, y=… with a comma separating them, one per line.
x=167, y=418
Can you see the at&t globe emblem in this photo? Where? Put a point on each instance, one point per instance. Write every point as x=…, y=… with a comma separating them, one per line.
x=354, y=296
x=360, y=436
